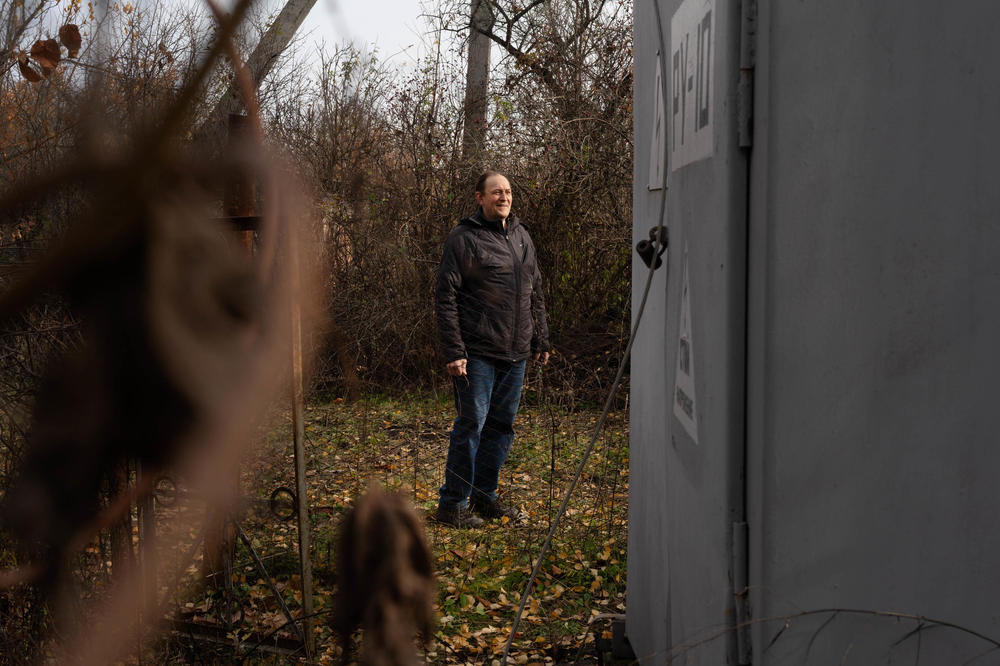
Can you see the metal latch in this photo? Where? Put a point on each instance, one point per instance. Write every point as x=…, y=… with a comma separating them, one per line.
x=647, y=249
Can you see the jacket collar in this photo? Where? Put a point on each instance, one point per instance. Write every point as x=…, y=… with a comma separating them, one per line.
x=477, y=219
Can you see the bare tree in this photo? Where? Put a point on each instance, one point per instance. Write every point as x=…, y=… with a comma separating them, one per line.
x=18, y=17
x=259, y=65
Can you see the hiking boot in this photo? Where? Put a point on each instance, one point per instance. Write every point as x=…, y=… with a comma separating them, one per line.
x=495, y=510
x=457, y=517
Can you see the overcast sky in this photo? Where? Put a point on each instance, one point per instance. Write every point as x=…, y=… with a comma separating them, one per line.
x=392, y=25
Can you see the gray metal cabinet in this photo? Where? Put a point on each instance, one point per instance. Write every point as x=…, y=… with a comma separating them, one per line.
x=814, y=386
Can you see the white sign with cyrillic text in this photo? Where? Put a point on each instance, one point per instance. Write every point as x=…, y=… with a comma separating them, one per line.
x=692, y=61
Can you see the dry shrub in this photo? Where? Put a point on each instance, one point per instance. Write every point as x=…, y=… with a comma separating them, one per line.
x=383, y=150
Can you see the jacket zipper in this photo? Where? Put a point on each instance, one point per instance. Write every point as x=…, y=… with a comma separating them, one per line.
x=517, y=296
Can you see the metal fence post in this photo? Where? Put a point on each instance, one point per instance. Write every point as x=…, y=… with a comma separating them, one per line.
x=298, y=397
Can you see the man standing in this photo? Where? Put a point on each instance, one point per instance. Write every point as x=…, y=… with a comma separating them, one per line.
x=491, y=318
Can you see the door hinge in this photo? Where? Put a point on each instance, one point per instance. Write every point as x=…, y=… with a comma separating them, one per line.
x=748, y=59
x=741, y=593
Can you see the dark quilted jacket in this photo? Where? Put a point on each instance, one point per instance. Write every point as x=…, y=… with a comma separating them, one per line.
x=488, y=295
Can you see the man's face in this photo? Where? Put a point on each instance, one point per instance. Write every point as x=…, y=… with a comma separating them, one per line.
x=496, y=198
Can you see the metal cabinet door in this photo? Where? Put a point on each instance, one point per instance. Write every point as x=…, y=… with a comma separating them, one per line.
x=874, y=320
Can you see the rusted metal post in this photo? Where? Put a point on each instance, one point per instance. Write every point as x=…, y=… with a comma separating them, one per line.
x=241, y=189
x=148, y=560
x=239, y=200
x=298, y=424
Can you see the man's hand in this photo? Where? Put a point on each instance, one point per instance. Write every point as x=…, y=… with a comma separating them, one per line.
x=457, y=368
x=542, y=358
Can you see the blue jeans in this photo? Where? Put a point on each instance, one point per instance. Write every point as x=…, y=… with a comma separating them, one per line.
x=486, y=400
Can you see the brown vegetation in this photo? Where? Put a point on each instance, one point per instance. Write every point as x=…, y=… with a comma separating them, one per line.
x=100, y=182
x=384, y=154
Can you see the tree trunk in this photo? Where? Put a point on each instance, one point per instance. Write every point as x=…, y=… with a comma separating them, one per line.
x=260, y=63
x=477, y=79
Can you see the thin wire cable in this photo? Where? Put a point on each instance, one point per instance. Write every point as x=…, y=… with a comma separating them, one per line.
x=590, y=447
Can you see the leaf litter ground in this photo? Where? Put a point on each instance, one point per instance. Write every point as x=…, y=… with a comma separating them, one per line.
x=402, y=444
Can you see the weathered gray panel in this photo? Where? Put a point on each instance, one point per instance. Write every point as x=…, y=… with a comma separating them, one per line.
x=648, y=583
x=685, y=492
x=874, y=317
